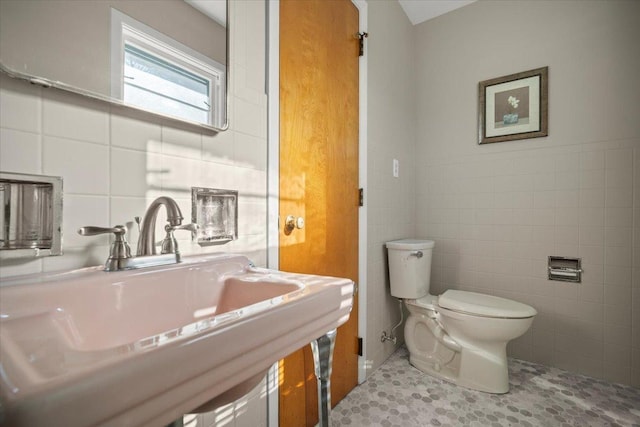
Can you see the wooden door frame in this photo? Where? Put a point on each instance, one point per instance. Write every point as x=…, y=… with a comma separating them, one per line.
x=273, y=173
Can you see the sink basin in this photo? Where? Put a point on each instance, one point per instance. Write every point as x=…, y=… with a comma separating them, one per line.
x=143, y=347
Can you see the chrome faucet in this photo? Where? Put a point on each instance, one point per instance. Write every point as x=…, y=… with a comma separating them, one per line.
x=147, y=239
x=120, y=255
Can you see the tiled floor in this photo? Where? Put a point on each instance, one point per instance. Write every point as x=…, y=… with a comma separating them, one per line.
x=397, y=394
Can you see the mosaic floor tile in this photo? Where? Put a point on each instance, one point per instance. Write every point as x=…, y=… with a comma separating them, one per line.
x=397, y=394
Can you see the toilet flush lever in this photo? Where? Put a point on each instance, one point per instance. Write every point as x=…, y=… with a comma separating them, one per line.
x=417, y=254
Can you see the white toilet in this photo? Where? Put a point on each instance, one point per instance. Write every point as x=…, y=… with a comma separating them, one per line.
x=458, y=336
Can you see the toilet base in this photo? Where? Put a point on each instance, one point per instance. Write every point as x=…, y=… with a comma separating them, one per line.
x=479, y=365
x=434, y=367
x=467, y=369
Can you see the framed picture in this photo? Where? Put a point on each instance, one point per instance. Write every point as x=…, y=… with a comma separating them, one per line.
x=513, y=107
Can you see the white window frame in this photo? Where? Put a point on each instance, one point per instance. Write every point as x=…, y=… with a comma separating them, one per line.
x=126, y=30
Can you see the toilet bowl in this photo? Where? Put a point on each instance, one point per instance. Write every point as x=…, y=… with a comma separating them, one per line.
x=458, y=336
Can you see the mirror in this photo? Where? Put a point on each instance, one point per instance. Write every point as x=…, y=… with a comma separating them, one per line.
x=167, y=57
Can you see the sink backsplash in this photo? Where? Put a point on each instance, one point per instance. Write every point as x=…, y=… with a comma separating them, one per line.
x=114, y=162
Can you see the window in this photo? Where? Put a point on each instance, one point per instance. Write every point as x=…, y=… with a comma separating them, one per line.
x=156, y=73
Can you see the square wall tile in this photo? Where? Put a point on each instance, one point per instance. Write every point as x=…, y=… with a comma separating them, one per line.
x=619, y=198
x=567, y=198
x=619, y=335
x=618, y=296
x=592, y=160
x=567, y=216
x=219, y=147
x=593, y=273
x=619, y=236
x=82, y=211
x=619, y=178
x=618, y=217
x=591, y=254
x=591, y=236
x=567, y=180
x=591, y=292
x=592, y=178
x=136, y=131
x=567, y=162
x=566, y=235
x=250, y=118
x=544, y=182
x=20, y=152
x=618, y=256
x=592, y=198
x=83, y=166
x=181, y=143
x=252, y=218
x=180, y=174
x=250, y=152
x=591, y=216
x=67, y=115
x=615, y=315
x=132, y=172
x=619, y=159
x=20, y=105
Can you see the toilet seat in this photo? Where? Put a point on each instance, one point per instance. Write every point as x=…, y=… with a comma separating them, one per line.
x=476, y=304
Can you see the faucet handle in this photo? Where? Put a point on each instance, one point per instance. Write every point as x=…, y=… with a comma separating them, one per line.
x=91, y=230
x=170, y=244
x=119, y=249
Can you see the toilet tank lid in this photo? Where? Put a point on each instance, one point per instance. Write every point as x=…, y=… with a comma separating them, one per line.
x=411, y=244
x=484, y=305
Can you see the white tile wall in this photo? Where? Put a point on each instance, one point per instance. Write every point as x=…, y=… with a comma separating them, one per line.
x=578, y=320
x=391, y=135
x=114, y=162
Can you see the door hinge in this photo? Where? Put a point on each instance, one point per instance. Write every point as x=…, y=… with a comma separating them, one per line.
x=361, y=197
x=360, y=346
x=361, y=37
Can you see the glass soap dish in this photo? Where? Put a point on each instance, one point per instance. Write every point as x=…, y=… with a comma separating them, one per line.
x=30, y=215
x=216, y=213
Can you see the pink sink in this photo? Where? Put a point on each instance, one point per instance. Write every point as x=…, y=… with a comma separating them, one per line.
x=143, y=347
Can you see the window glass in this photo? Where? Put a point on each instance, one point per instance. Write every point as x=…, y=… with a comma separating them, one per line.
x=155, y=84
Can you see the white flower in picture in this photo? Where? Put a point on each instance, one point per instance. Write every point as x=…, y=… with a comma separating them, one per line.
x=513, y=101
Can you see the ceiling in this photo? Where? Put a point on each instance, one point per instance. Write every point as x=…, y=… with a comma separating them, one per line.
x=422, y=10
x=214, y=9
x=417, y=10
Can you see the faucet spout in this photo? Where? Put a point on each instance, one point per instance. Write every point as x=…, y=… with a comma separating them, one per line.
x=147, y=240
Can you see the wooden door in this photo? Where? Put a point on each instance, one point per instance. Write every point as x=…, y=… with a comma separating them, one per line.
x=319, y=178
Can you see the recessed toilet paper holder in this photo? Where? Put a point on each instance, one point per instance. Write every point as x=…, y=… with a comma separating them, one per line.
x=565, y=269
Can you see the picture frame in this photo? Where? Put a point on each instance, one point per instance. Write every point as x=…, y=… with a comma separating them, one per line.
x=514, y=107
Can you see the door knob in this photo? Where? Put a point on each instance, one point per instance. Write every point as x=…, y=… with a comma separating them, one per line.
x=291, y=223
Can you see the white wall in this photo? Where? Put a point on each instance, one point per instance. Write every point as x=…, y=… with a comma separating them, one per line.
x=497, y=211
x=391, y=134
x=115, y=162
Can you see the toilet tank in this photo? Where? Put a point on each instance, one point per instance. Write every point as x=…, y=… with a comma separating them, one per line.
x=410, y=267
